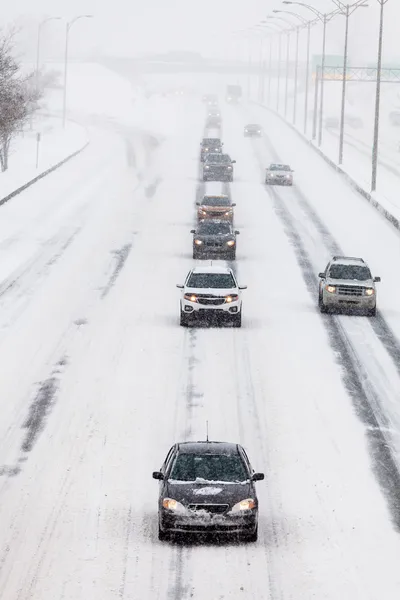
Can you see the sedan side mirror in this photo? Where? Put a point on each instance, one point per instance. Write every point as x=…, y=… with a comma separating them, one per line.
x=192, y=231
x=197, y=203
x=258, y=477
x=158, y=475
x=233, y=161
x=180, y=286
x=321, y=275
x=234, y=204
x=237, y=232
x=242, y=287
x=377, y=279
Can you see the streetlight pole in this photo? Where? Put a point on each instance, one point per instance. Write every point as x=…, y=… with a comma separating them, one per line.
x=307, y=78
x=269, y=71
x=296, y=69
x=287, y=71
x=346, y=10
x=279, y=72
x=375, y=148
x=67, y=30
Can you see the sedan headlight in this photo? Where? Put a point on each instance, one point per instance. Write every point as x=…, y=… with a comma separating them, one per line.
x=198, y=242
x=207, y=167
x=174, y=505
x=271, y=175
x=248, y=504
x=330, y=288
x=202, y=211
x=231, y=298
x=228, y=213
x=229, y=168
x=369, y=291
x=230, y=243
x=206, y=149
x=190, y=297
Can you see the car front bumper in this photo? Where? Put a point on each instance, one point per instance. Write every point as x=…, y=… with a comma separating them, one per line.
x=238, y=524
x=197, y=308
x=280, y=181
x=355, y=302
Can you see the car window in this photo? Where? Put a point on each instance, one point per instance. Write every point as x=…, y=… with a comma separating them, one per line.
x=355, y=272
x=211, y=280
x=279, y=168
x=168, y=459
x=216, y=201
x=209, y=467
x=219, y=158
x=214, y=229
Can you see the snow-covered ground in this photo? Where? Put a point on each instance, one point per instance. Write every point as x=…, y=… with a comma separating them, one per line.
x=98, y=379
x=55, y=145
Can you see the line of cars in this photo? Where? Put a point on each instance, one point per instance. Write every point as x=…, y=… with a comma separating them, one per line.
x=208, y=487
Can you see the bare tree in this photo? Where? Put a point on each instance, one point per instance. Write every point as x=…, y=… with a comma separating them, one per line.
x=19, y=97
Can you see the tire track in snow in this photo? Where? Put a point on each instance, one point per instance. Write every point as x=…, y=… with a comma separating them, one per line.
x=354, y=375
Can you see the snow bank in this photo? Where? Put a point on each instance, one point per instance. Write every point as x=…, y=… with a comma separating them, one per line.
x=55, y=146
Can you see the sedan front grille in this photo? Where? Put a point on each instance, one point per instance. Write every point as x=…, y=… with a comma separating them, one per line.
x=215, y=509
x=213, y=243
x=350, y=290
x=211, y=301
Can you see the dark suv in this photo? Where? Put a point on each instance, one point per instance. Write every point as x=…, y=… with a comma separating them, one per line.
x=214, y=238
x=218, y=167
x=210, y=145
x=207, y=487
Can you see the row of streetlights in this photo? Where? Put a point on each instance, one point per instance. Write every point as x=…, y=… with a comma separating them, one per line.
x=68, y=26
x=342, y=8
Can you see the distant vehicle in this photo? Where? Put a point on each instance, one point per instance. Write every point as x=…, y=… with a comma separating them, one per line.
x=218, y=167
x=210, y=145
x=277, y=174
x=233, y=93
x=207, y=487
x=252, y=129
x=331, y=122
x=214, y=238
x=211, y=291
x=347, y=283
x=215, y=207
x=213, y=111
x=394, y=118
x=213, y=120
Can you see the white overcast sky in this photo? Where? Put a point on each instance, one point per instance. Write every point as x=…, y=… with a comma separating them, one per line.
x=131, y=27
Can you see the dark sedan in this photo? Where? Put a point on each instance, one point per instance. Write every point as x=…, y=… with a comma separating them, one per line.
x=214, y=238
x=218, y=167
x=207, y=487
x=210, y=145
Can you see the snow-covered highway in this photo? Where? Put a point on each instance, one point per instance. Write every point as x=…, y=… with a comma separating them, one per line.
x=98, y=379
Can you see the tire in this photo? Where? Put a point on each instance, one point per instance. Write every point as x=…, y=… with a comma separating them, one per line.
x=230, y=179
x=322, y=307
x=251, y=537
x=162, y=535
x=183, y=321
x=372, y=312
x=237, y=320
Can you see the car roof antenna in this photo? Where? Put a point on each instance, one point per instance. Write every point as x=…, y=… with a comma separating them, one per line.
x=207, y=430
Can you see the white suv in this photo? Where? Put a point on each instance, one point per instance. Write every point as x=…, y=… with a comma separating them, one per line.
x=211, y=291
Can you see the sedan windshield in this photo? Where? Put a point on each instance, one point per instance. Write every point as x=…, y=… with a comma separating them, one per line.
x=211, y=280
x=216, y=201
x=354, y=272
x=279, y=168
x=219, y=158
x=209, y=467
x=214, y=229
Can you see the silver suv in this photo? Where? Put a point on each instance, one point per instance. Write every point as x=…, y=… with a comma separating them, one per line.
x=347, y=283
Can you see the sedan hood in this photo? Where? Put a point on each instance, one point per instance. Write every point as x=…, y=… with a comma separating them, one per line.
x=339, y=282
x=208, y=492
x=212, y=291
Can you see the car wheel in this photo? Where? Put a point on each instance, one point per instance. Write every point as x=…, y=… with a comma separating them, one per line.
x=322, y=307
x=163, y=536
x=372, y=312
x=251, y=537
x=230, y=179
x=237, y=320
x=184, y=320
x=195, y=255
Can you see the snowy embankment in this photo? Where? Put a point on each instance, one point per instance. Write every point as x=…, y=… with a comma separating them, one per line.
x=56, y=145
